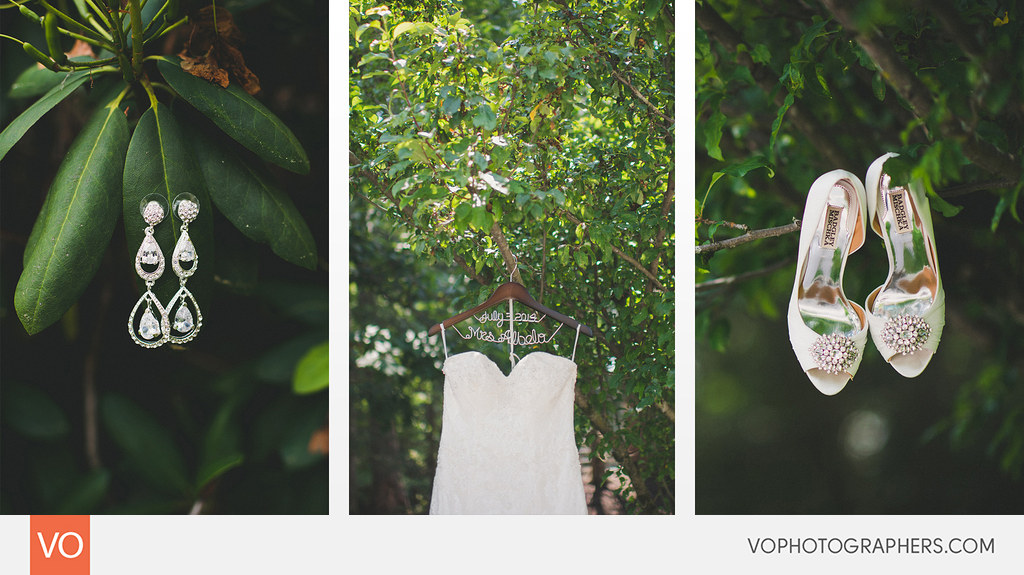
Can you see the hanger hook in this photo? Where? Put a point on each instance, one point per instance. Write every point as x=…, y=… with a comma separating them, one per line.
x=515, y=267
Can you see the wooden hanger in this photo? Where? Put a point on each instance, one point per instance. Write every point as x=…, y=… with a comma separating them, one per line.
x=505, y=292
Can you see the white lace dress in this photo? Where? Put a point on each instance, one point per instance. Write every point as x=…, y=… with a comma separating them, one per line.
x=507, y=442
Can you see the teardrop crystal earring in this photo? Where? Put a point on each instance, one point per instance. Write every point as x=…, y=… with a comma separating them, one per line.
x=149, y=264
x=184, y=261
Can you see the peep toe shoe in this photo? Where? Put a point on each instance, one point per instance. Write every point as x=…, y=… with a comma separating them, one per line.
x=907, y=312
x=828, y=332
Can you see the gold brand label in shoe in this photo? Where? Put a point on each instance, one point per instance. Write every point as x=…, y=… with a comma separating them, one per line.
x=830, y=234
x=898, y=203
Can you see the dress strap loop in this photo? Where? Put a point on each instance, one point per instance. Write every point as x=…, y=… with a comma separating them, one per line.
x=444, y=342
x=578, y=326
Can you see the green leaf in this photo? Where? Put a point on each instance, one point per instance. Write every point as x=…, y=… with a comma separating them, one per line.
x=34, y=81
x=250, y=200
x=149, y=447
x=581, y=259
x=945, y=208
x=304, y=302
x=277, y=364
x=398, y=167
x=713, y=135
x=737, y=170
x=86, y=494
x=480, y=218
x=878, y=86
x=30, y=412
x=311, y=373
x=160, y=162
x=714, y=180
x=900, y=170
x=485, y=118
x=37, y=230
x=462, y=214
x=237, y=261
x=760, y=54
x=414, y=28
x=17, y=128
x=221, y=446
x=777, y=124
x=451, y=105
x=241, y=116
x=76, y=223
x=819, y=71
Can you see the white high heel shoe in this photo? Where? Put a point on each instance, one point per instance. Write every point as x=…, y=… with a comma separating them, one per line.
x=828, y=331
x=907, y=312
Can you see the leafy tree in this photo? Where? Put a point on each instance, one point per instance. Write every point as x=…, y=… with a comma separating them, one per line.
x=785, y=92
x=492, y=139
x=107, y=103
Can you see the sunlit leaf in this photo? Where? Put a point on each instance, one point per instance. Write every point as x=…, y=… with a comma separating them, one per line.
x=311, y=373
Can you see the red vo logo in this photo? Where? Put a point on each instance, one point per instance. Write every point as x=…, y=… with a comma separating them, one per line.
x=59, y=544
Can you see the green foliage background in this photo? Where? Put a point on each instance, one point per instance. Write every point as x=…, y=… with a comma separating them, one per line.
x=785, y=92
x=486, y=132
x=90, y=423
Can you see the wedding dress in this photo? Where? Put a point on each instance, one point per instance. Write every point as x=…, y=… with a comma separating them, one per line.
x=507, y=442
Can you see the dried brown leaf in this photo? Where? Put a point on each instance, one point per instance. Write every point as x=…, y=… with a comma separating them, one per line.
x=318, y=441
x=81, y=49
x=212, y=53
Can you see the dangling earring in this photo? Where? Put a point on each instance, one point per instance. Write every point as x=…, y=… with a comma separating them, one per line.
x=185, y=326
x=152, y=332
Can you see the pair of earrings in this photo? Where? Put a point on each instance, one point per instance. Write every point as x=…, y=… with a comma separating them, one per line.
x=180, y=321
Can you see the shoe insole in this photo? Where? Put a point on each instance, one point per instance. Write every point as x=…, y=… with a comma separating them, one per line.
x=823, y=306
x=911, y=285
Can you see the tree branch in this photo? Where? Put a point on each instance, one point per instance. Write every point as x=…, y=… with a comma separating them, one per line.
x=919, y=97
x=511, y=261
x=89, y=404
x=970, y=188
x=666, y=209
x=748, y=237
x=732, y=225
x=625, y=82
x=618, y=252
x=729, y=280
x=952, y=23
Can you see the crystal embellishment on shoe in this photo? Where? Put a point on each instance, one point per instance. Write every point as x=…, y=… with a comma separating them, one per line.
x=834, y=353
x=906, y=333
